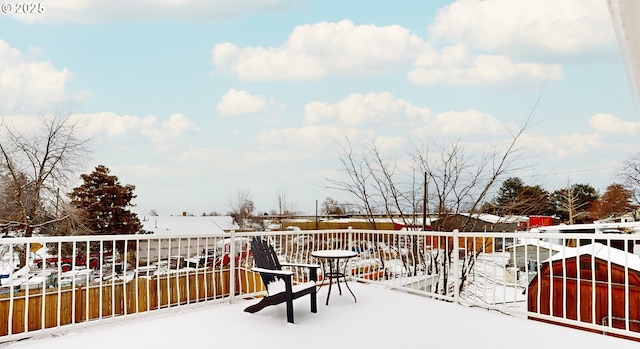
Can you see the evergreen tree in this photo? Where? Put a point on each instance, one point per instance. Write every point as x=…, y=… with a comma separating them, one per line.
x=516, y=198
x=104, y=203
x=509, y=192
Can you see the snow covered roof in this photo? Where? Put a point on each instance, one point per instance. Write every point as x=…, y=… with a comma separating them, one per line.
x=602, y=252
x=539, y=243
x=396, y=220
x=167, y=225
x=633, y=227
x=491, y=218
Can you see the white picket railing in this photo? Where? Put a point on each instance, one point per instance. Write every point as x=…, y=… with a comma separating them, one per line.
x=594, y=286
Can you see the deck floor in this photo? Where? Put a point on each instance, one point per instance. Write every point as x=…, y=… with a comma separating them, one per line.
x=381, y=318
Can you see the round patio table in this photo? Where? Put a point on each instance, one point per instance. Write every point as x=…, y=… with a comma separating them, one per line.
x=331, y=259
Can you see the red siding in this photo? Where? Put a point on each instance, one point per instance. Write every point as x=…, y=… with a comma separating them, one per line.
x=574, y=298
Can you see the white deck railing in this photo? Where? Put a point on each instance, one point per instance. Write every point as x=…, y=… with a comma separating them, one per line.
x=594, y=286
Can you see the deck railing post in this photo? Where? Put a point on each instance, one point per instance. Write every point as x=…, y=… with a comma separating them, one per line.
x=456, y=267
x=232, y=267
x=349, y=247
x=11, y=289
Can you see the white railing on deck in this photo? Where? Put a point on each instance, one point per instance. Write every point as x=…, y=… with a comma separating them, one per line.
x=539, y=276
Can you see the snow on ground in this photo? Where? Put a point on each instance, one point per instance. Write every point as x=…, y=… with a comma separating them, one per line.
x=487, y=283
x=380, y=319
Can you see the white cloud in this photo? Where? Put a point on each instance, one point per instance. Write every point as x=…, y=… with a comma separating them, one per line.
x=317, y=50
x=607, y=123
x=515, y=27
x=174, y=128
x=456, y=124
x=302, y=140
x=113, y=124
x=386, y=144
x=273, y=147
x=454, y=55
x=31, y=86
x=469, y=122
x=358, y=109
x=197, y=160
x=90, y=11
x=366, y=111
x=109, y=125
x=574, y=144
x=563, y=146
x=87, y=125
x=463, y=69
x=146, y=171
x=237, y=102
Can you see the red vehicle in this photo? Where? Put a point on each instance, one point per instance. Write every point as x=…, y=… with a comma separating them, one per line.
x=221, y=255
x=67, y=263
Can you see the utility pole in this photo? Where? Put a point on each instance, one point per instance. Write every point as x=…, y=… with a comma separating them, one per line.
x=424, y=204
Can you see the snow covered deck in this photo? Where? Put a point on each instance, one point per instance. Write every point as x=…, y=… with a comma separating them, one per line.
x=381, y=318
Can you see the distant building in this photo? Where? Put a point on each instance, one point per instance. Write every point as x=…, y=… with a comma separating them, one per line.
x=447, y=222
x=479, y=222
x=161, y=235
x=189, y=225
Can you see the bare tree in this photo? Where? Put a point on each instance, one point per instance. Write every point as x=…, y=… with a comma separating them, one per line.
x=358, y=171
x=36, y=166
x=571, y=204
x=330, y=206
x=377, y=184
x=460, y=180
x=284, y=207
x=629, y=173
x=573, y=201
x=242, y=207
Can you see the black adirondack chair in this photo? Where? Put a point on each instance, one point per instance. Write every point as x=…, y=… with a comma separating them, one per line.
x=270, y=269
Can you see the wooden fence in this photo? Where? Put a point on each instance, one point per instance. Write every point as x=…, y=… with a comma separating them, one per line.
x=54, y=307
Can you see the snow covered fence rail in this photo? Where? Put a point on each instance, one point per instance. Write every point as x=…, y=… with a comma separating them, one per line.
x=589, y=281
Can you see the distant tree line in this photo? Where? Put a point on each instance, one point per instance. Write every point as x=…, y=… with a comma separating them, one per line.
x=576, y=203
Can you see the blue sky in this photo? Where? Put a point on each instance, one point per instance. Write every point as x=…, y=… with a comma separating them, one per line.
x=195, y=101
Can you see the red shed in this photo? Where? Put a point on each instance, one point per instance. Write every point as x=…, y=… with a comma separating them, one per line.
x=540, y=221
x=574, y=284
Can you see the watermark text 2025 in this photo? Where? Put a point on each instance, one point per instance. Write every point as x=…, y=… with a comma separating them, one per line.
x=22, y=8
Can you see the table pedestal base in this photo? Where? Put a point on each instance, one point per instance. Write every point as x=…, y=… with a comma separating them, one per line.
x=334, y=273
